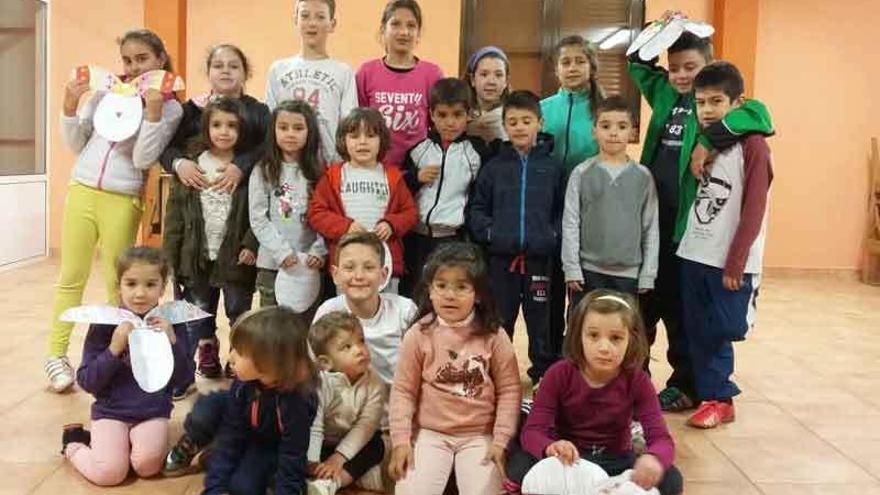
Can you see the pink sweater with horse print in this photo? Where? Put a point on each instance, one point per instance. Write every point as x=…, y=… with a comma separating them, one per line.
x=453, y=382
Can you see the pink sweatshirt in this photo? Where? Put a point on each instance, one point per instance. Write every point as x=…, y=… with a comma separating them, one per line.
x=402, y=98
x=453, y=382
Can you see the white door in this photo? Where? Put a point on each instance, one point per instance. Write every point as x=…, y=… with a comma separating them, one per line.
x=23, y=188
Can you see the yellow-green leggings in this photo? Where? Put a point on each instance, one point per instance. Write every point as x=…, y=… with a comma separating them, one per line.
x=91, y=217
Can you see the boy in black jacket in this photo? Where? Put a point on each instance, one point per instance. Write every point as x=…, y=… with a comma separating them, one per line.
x=516, y=210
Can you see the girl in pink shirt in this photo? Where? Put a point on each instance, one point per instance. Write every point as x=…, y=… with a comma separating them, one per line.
x=587, y=401
x=399, y=83
x=456, y=393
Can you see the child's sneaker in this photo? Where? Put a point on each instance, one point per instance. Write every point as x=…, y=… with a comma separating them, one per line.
x=209, y=359
x=674, y=400
x=180, y=393
x=179, y=459
x=74, y=433
x=637, y=433
x=711, y=414
x=321, y=487
x=373, y=480
x=59, y=372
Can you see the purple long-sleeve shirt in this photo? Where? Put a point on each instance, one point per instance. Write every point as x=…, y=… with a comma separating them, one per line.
x=568, y=408
x=110, y=380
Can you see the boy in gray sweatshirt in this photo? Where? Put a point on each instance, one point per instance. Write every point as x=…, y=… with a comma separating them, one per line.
x=610, y=230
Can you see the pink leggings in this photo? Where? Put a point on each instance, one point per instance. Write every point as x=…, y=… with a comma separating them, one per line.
x=116, y=445
x=436, y=454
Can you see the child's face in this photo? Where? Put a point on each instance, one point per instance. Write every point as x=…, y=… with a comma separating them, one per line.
x=363, y=146
x=141, y=287
x=359, y=272
x=291, y=132
x=347, y=353
x=449, y=120
x=226, y=73
x=573, y=68
x=490, y=80
x=138, y=58
x=223, y=131
x=605, y=339
x=401, y=32
x=312, y=18
x=612, y=131
x=713, y=104
x=452, y=294
x=683, y=68
x=522, y=127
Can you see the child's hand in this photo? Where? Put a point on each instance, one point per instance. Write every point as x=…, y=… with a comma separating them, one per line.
x=331, y=468
x=401, y=461
x=192, y=175
x=647, y=471
x=429, y=173
x=312, y=468
x=153, y=101
x=230, y=176
x=247, y=257
x=564, y=450
x=732, y=283
x=119, y=340
x=163, y=325
x=575, y=286
x=496, y=454
x=314, y=262
x=290, y=261
x=73, y=91
x=699, y=158
x=383, y=230
x=356, y=228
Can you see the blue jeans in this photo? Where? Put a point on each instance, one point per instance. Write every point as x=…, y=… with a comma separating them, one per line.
x=714, y=318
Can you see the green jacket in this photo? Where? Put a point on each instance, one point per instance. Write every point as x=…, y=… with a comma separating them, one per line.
x=569, y=119
x=184, y=239
x=653, y=82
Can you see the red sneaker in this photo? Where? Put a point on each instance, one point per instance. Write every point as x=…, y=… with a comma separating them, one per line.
x=711, y=414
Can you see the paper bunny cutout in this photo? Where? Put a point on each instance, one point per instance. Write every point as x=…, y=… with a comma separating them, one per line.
x=149, y=351
x=120, y=111
x=662, y=33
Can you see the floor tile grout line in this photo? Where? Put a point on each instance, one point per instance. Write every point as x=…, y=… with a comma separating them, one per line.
x=734, y=464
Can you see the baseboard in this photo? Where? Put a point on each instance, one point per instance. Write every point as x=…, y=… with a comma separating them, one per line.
x=849, y=274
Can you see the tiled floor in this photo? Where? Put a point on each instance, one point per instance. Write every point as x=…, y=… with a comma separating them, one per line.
x=807, y=420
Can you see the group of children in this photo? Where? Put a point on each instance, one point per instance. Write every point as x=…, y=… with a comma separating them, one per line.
x=463, y=184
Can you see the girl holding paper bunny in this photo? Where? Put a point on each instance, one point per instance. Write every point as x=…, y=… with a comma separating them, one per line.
x=103, y=204
x=279, y=193
x=129, y=426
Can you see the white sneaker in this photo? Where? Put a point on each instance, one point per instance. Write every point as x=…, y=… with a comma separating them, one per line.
x=321, y=487
x=372, y=480
x=60, y=373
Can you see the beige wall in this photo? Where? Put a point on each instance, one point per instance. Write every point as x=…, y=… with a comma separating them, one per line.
x=819, y=71
x=81, y=32
x=264, y=30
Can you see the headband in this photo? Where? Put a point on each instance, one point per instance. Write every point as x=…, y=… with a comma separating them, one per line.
x=616, y=299
x=482, y=52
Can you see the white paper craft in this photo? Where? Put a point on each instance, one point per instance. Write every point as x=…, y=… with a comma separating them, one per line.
x=119, y=113
x=622, y=485
x=551, y=477
x=298, y=287
x=662, y=33
x=151, y=357
x=389, y=267
x=152, y=360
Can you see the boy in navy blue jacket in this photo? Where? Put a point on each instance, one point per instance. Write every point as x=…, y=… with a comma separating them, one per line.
x=516, y=210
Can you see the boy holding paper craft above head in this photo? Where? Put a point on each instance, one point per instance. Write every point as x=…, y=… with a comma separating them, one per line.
x=129, y=425
x=673, y=136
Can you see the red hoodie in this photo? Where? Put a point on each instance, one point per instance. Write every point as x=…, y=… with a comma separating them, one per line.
x=327, y=214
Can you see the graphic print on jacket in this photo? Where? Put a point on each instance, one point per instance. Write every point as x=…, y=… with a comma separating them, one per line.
x=463, y=376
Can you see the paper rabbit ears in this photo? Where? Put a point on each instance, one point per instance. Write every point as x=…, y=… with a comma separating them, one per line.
x=662, y=33
x=100, y=78
x=173, y=311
